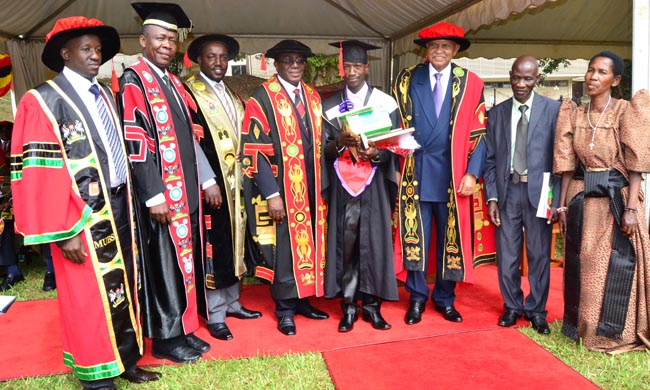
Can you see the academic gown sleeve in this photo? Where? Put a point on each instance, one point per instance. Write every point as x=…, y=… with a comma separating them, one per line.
x=47, y=206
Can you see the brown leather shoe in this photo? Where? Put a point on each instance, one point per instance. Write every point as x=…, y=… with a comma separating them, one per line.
x=140, y=376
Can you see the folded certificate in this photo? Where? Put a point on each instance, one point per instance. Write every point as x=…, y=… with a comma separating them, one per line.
x=545, y=197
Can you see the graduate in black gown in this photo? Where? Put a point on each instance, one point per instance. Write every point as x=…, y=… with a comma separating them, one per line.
x=360, y=254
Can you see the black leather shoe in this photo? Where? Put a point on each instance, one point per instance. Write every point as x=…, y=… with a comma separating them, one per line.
x=176, y=353
x=100, y=388
x=220, y=331
x=449, y=313
x=508, y=318
x=347, y=323
x=540, y=325
x=244, y=314
x=10, y=281
x=196, y=343
x=49, y=282
x=311, y=312
x=414, y=313
x=375, y=318
x=287, y=326
x=350, y=316
x=140, y=376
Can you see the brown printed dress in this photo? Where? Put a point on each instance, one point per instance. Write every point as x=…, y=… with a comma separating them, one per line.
x=620, y=142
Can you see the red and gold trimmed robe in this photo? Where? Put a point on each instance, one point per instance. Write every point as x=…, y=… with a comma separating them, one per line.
x=468, y=240
x=272, y=132
x=61, y=189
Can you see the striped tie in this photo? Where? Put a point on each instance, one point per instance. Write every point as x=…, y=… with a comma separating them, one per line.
x=299, y=104
x=226, y=104
x=117, y=153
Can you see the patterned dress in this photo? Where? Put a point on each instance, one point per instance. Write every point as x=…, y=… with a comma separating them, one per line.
x=619, y=142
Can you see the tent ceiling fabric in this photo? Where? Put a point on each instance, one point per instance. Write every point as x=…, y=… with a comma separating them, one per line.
x=551, y=28
x=538, y=26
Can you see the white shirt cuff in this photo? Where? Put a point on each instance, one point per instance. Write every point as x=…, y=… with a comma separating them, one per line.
x=208, y=183
x=273, y=195
x=156, y=200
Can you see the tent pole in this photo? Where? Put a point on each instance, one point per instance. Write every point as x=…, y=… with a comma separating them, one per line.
x=641, y=63
x=390, y=67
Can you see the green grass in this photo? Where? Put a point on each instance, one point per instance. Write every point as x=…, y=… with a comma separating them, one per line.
x=31, y=289
x=308, y=371
x=296, y=371
x=629, y=370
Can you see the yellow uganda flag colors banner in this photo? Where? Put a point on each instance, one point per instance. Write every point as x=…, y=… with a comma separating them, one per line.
x=5, y=74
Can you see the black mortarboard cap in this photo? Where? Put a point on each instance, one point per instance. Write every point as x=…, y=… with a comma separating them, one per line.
x=289, y=46
x=354, y=51
x=167, y=15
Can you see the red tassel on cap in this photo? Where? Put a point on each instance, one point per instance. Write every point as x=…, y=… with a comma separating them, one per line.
x=115, y=85
x=186, y=61
x=263, y=63
x=341, y=70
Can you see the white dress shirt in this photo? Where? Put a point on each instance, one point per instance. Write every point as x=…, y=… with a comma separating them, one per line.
x=290, y=88
x=444, y=79
x=213, y=84
x=81, y=85
x=358, y=99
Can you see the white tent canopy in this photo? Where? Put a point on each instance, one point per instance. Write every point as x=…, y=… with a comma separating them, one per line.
x=497, y=28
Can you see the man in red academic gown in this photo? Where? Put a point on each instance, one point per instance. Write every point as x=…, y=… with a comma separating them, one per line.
x=71, y=185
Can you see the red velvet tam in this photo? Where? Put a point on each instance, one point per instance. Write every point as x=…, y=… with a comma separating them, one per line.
x=443, y=30
x=75, y=26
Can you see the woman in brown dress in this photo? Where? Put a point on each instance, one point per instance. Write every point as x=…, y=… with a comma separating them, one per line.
x=600, y=151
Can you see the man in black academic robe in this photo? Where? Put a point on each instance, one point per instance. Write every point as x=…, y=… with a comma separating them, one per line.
x=360, y=252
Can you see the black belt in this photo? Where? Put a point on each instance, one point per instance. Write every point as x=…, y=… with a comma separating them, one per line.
x=118, y=190
x=517, y=178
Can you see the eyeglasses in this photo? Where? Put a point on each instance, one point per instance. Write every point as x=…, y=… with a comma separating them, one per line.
x=291, y=61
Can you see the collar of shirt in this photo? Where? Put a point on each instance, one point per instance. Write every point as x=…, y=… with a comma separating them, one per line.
x=159, y=72
x=529, y=103
x=211, y=82
x=290, y=87
x=80, y=84
x=359, y=98
x=444, y=80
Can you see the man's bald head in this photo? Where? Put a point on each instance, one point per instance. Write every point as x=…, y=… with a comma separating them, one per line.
x=523, y=77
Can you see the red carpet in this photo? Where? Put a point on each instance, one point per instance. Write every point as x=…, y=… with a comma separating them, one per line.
x=489, y=359
x=32, y=347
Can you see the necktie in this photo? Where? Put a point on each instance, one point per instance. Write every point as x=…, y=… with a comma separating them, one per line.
x=226, y=104
x=438, y=94
x=175, y=94
x=117, y=153
x=299, y=104
x=519, y=161
x=168, y=82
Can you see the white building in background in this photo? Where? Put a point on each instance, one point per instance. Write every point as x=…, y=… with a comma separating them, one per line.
x=565, y=83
